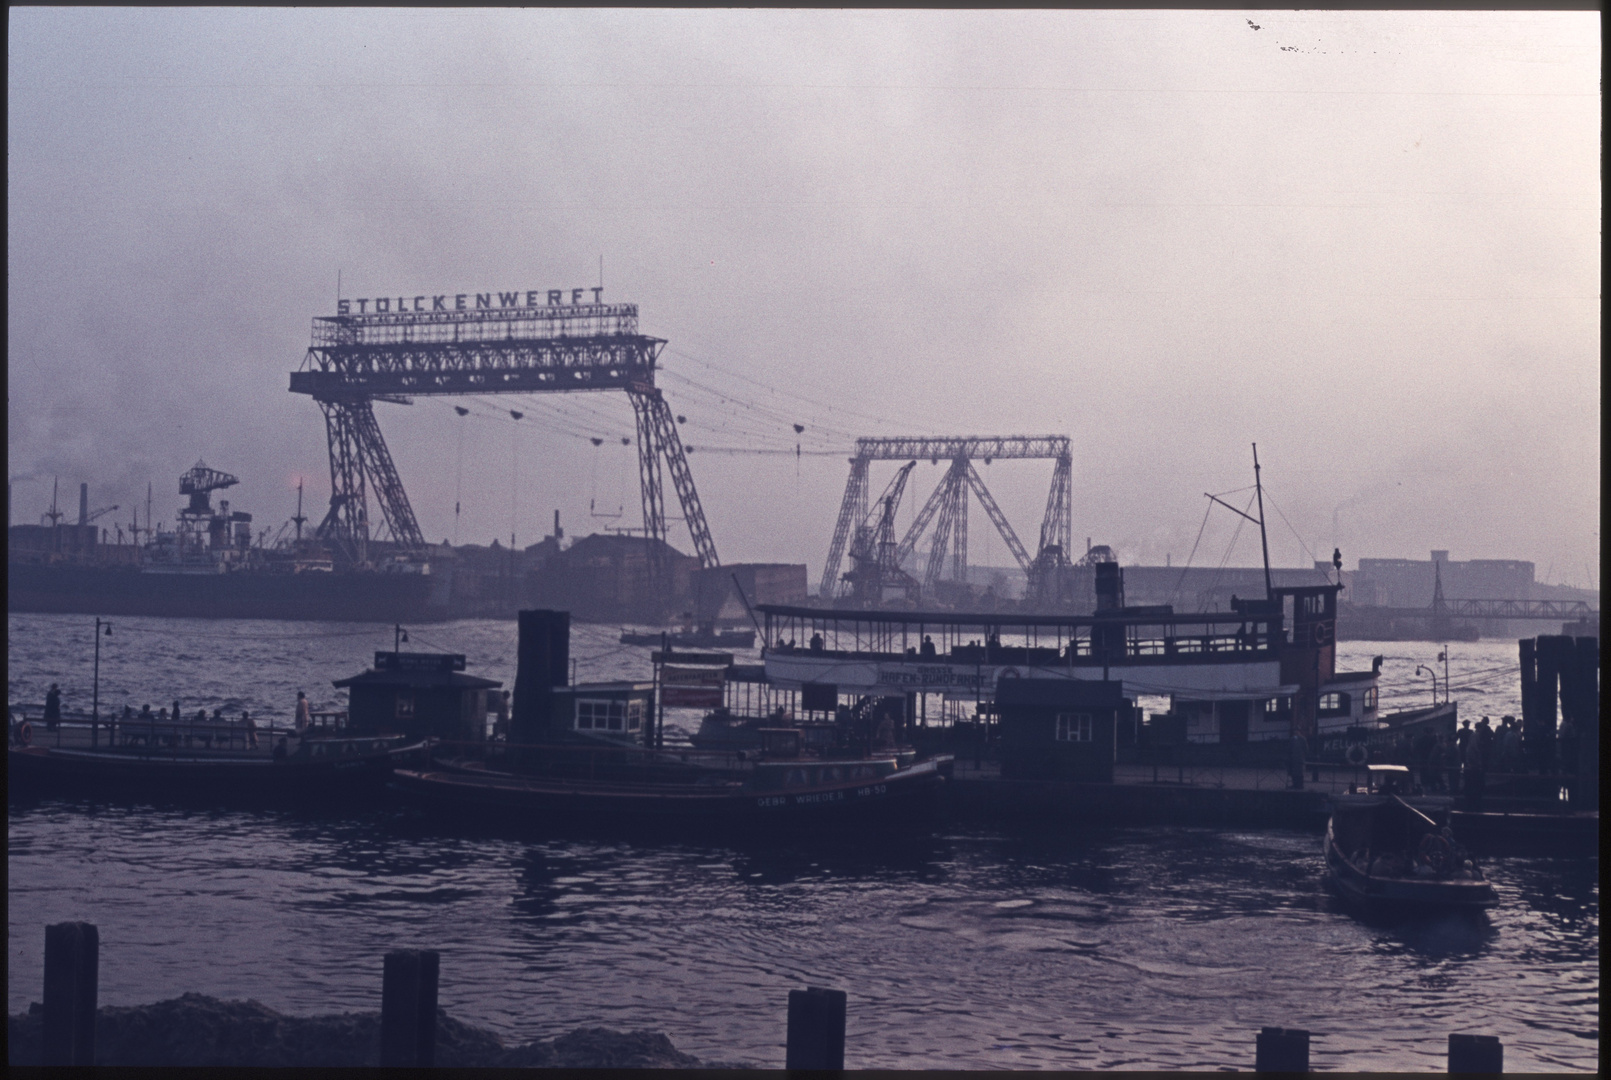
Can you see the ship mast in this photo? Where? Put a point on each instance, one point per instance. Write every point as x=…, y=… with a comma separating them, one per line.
x=299, y=519
x=1264, y=539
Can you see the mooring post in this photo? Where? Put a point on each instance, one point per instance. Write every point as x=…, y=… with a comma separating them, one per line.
x=1476, y=1054
x=72, y=958
x=408, y=1007
x=816, y=1029
x=1282, y=1050
x=1528, y=654
x=1587, y=793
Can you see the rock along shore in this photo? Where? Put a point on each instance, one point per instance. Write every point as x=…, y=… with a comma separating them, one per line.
x=196, y=1030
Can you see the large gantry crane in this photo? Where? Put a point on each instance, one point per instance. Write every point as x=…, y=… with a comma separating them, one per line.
x=512, y=348
x=947, y=508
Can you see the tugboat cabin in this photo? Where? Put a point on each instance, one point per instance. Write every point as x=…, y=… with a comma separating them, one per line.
x=613, y=711
x=420, y=695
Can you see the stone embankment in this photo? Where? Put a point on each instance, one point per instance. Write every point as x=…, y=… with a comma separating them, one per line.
x=199, y=1031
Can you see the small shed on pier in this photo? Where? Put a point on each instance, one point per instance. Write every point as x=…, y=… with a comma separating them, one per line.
x=1059, y=729
x=418, y=694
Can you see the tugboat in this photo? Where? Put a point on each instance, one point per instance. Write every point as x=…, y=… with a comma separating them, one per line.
x=1390, y=851
x=786, y=786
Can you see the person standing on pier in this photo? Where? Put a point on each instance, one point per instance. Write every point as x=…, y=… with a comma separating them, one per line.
x=53, y=706
x=304, y=713
x=1475, y=781
x=251, y=729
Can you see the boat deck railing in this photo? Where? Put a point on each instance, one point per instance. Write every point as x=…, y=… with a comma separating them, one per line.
x=82, y=733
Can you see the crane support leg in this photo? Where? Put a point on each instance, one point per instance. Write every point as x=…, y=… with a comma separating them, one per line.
x=998, y=519
x=346, y=525
x=852, y=510
x=358, y=456
x=649, y=485
x=394, y=504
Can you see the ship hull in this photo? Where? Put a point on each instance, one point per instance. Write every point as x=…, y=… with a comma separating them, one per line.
x=333, y=597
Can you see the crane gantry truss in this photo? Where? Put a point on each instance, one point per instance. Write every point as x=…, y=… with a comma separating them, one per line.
x=947, y=509
x=356, y=360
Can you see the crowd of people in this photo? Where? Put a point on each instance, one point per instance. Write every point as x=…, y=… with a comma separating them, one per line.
x=1461, y=764
x=167, y=726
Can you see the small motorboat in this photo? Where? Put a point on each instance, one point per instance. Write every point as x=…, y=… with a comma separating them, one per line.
x=706, y=637
x=1389, y=850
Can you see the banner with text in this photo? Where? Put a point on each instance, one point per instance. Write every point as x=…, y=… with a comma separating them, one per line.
x=692, y=687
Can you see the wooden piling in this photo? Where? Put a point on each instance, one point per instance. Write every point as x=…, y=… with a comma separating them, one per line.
x=1528, y=649
x=1476, y=1054
x=408, y=1008
x=816, y=1029
x=1546, y=693
x=1282, y=1050
x=1587, y=722
x=72, y=959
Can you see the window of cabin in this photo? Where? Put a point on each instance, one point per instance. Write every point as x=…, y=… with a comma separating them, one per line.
x=1334, y=703
x=405, y=704
x=1370, y=699
x=1074, y=727
x=634, y=715
x=1314, y=605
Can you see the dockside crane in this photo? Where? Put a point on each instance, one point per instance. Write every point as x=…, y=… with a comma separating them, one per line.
x=518, y=347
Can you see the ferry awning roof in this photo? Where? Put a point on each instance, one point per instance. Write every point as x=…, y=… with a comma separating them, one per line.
x=419, y=680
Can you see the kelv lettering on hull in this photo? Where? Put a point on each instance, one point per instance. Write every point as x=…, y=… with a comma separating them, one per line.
x=382, y=305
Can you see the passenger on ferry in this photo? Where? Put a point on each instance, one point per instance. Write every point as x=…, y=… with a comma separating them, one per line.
x=304, y=713
x=1297, y=750
x=53, y=706
x=281, y=752
x=816, y=642
x=928, y=646
x=251, y=729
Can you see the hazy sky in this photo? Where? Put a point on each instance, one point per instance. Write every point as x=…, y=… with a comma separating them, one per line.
x=1369, y=242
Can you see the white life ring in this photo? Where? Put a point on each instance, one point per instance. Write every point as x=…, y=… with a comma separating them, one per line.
x=25, y=733
x=1356, y=754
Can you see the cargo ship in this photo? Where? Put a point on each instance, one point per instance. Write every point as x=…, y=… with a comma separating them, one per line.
x=207, y=566
x=211, y=564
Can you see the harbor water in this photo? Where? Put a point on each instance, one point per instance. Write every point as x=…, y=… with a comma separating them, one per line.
x=964, y=947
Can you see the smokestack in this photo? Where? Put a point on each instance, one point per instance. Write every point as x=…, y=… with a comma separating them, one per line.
x=559, y=534
x=83, y=504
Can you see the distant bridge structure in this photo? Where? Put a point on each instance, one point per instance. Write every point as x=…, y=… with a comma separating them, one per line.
x=1550, y=610
x=869, y=536
x=356, y=360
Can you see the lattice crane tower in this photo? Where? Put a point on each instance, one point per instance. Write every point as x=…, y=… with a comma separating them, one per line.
x=454, y=348
x=947, y=508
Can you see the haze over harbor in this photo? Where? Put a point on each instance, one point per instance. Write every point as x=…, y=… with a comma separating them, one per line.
x=1368, y=241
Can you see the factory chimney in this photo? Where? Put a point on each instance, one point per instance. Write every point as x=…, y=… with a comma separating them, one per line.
x=83, y=504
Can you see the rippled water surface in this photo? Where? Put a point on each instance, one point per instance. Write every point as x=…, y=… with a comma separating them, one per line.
x=1141, y=948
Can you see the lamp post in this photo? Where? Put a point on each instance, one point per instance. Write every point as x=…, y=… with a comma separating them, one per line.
x=95, y=707
x=1420, y=668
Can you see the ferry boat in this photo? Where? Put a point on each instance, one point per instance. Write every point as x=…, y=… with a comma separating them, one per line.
x=1389, y=851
